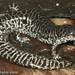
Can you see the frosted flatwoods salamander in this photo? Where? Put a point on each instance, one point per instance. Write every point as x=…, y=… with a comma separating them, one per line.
x=36, y=25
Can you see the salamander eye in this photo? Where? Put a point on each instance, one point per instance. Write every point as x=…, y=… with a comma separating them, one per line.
x=73, y=33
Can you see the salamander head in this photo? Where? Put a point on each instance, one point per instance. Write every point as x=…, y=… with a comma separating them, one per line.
x=68, y=34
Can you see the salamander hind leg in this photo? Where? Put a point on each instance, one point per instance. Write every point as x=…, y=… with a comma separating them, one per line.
x=22, y=40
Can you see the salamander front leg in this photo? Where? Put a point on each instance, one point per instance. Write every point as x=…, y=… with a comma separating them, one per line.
x=13, y=7
x=53, y=53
